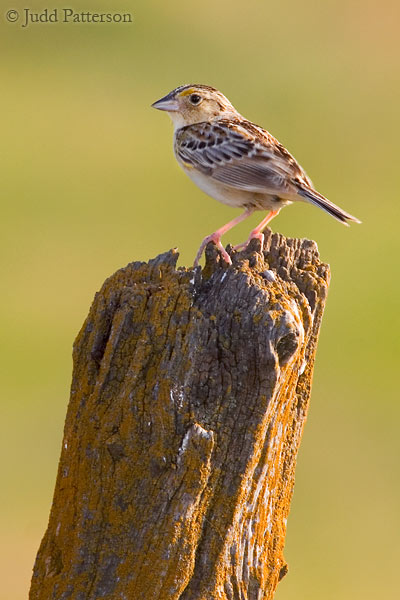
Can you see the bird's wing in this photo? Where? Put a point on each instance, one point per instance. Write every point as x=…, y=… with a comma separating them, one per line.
x=240, y=155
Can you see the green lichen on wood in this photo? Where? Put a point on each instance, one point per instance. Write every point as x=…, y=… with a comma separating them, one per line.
x=188, y=401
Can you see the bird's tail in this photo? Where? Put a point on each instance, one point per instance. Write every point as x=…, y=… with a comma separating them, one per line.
x=319, y=200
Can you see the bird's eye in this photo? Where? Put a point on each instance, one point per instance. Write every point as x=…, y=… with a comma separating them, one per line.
x=195, y=99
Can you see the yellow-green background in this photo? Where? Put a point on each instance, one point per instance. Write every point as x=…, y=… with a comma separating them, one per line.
x=89, y=183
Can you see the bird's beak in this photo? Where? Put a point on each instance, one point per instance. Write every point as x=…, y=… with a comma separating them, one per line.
x=167, y=103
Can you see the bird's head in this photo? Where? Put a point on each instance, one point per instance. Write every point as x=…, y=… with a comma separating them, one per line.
x=190, y=104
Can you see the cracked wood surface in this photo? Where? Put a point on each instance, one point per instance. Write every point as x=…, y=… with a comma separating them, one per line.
x=189, y=395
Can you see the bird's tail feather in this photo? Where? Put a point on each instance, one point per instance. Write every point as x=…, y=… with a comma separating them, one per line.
x=319, y=200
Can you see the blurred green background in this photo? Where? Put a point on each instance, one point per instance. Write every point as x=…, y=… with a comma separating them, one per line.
x=89, y=183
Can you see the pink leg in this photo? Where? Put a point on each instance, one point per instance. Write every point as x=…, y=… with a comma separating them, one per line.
x=258, y=231
x=216, y=237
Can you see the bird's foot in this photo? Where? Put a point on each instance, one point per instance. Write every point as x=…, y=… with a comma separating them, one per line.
x=254, y=235
x=216, y=238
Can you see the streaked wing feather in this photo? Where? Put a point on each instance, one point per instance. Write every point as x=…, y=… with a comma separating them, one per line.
x=239, y=155
x=250, y=176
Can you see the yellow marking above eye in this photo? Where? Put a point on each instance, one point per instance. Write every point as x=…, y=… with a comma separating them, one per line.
x=187, y=92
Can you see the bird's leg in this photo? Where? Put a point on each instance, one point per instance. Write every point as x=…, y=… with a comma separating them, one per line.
x=258, y=231
x=216, y=237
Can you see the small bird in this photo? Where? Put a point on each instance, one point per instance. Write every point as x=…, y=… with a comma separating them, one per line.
x=235, y=161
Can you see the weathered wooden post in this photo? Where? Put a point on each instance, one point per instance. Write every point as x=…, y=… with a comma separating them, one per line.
x=188, y=400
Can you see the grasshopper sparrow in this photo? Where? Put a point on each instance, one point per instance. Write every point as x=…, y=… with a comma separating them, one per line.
x=235, y=161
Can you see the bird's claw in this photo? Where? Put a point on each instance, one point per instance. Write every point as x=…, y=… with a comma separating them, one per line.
x=217, y=241
x=254, y=235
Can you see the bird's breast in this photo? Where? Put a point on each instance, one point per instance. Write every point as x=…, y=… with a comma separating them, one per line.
x=215, y=189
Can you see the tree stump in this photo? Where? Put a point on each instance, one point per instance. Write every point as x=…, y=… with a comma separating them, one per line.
x=189, y=395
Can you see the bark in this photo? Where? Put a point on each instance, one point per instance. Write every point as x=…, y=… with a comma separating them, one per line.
x=189, y=395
